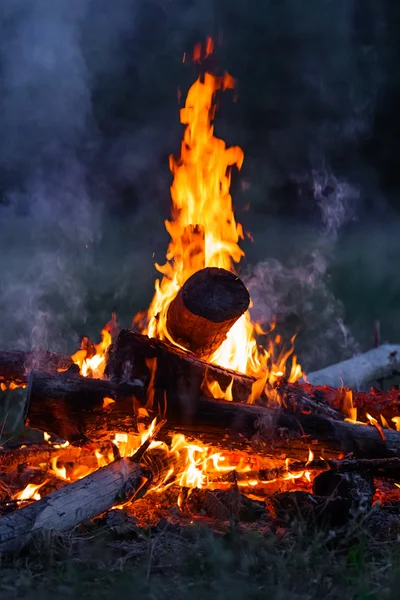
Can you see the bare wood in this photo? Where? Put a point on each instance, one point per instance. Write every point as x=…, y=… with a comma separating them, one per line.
x=75, y=503
x=15, y=364
x=361, y=371
x=205, y=308
x=73, y=407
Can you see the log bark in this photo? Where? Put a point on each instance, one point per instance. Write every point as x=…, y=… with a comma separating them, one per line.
x=361, y=371
x=80, y=501
x=204, y=310
x=15, y=364
x=134, y=356
x=73, y=407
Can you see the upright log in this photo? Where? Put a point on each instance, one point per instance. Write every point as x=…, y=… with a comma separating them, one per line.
x=204, y=310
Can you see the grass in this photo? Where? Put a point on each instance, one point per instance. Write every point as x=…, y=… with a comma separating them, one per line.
x=197, y=562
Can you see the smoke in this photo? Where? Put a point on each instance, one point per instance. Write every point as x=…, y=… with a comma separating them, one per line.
x=297, y=295
x=89, y=115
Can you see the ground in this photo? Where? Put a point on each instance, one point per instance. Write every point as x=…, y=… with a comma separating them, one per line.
x=164, y=562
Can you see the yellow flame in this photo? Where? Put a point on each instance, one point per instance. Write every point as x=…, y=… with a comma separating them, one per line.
x=95, y=365
x=396, y=421
x=204, y=233
x=30, y=492
x=59, y=471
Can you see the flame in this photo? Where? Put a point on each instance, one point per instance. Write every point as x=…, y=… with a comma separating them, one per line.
x=348, y=407
x=396, y=421
x=96, y=364
x=30, y=492
x=204, y=232
x=59, y=471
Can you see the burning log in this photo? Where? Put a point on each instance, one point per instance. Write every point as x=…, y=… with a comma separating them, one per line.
x=78, y=408
x=204, y=310
x=361, y=371
x=13, y=458
x=132, y=353
x=80, y=501
x=14, y=364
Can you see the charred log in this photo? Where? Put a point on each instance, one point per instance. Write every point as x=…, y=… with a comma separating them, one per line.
x=15, y=364
x=80, y=409
x=18, y=458
x=314, y=511
x=357, y=488
x=134, y=356
x=204, y=310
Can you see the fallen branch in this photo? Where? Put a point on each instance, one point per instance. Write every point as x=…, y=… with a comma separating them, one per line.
x=118, y=482
x=361, y=371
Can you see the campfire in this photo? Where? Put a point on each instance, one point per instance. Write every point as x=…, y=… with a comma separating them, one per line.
x=195, y=399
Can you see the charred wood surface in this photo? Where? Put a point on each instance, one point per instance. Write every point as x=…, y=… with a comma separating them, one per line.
x=15, y=364
x=135, y=356
x=79, y=409
x=357, y=488
x=75, y=503
x=205, y=308
x=314, y=511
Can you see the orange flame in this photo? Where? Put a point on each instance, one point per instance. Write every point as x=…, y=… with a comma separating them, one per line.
x=204, y=232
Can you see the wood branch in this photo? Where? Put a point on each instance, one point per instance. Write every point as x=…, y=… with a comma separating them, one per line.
x=75, y=503
x=15, y=364
x=73, y=407
x=205, y=308
x=361, y=371
x=133, y=356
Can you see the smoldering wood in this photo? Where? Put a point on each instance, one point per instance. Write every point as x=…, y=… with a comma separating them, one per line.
x=15, y=481
x=13, y=458
x=80, y=501
x=311, y=509
x=15, y=364
x=206, y=307
x=73, y=407
x=360, y=371
x=357, y=487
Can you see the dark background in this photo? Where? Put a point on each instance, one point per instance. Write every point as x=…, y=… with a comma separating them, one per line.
x=89, y=115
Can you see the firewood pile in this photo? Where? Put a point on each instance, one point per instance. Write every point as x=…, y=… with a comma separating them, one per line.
x=297, y=451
